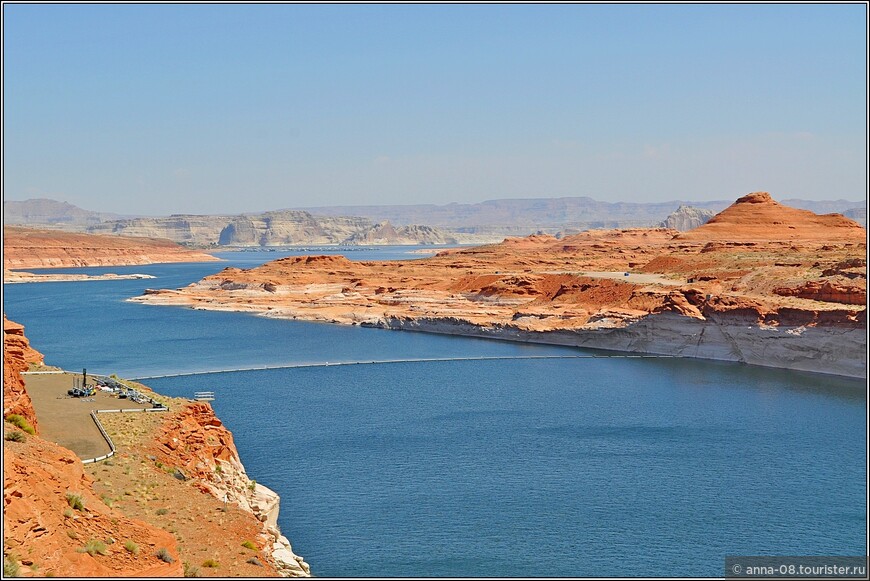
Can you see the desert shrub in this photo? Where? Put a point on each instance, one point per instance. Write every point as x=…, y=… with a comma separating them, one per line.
x=132, y=547
x=254, y=561
x=72, y=534
x=162, y=511
x=94, y=547
x=249, y=545
x=163, y=555
x=20, y=422
x=210, y=563
x=14, y=436
x=68, y=513
x=190, y=571
x=75, y=501
x=10, y=566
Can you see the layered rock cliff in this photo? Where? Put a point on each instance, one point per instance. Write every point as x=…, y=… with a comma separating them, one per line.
x=385, y=233
x=801, y=277
x=17, y=357
x=277, y=228
x=194, y=441
x=30, y=248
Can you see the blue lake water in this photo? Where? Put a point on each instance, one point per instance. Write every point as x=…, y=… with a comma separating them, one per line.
x=557, y=467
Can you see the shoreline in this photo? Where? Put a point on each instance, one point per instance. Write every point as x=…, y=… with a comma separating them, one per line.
x=731, y=343
x=29, y=277
x=823, y=350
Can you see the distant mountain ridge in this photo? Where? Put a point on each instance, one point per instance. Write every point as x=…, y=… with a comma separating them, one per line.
x=549, y=213
x=477, y=223
x=44, y=211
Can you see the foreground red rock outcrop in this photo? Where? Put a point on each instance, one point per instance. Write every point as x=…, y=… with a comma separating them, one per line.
x=195, y=443
x=62, y=519
x=735, y=288
x=47, y=535
x=30, y=248
x=44, y=531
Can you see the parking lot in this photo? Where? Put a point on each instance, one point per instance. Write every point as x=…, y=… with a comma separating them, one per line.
x=66, y=420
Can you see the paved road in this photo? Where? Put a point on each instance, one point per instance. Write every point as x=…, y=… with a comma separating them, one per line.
x=66, y=420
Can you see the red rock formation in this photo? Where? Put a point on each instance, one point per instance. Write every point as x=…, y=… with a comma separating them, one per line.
x=827, y=291
x=194, y=440
x=757, y=216
x=29, y=248
x=194, y=443
x=17, y=355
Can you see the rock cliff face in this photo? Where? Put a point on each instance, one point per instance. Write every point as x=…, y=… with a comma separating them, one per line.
x=29, y=248
x=284, y=228
x=195, y=441
x=385, y=233
x=687, y=218
x=182, y=229
x=278, y=228
x=47, y=533
x=778, y=271
x=17, y=356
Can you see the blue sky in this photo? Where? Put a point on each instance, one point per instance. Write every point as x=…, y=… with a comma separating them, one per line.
x=157, y=109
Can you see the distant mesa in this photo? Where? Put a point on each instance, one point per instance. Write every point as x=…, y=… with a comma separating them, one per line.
x=687, y=218
x=757, y=216
x=385, y=233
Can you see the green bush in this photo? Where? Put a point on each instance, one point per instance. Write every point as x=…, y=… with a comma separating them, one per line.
x=75, y=501
x=210, y=563
x=132, y=547
x=14, y=436
x=10, y=567
x=20, y=422
x=249, y=545
x=162, y=511
x=164, y=555
x=190, y=571
x=93, y=547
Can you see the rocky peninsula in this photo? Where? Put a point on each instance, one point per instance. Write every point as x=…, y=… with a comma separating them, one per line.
x=34, y=248
x=760, y=283
x=174, y=500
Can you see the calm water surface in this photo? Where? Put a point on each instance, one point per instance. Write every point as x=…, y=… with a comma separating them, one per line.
x=598, y=467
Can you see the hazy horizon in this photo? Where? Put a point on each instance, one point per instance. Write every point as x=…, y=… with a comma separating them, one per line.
x=224, y=109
